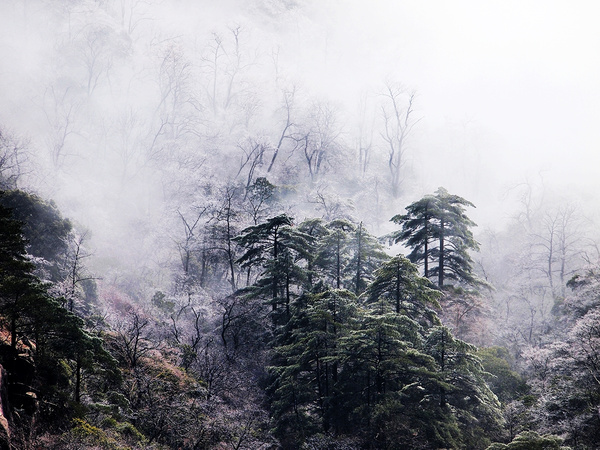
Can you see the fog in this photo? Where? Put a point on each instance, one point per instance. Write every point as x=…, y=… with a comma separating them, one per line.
x=506, y=96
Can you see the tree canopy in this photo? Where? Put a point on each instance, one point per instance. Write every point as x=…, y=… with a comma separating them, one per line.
x=438, y=232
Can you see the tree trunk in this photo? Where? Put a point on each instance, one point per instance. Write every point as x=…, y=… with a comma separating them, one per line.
x=426, y=248
x=441, y=261
x=358, y=260
x=398, y=287
x=78, y=381
x=275, y=280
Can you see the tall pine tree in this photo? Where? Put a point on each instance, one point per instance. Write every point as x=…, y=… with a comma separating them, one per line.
x=277, y=249
x=438, y=232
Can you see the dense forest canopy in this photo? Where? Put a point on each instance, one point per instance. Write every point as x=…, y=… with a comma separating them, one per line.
x=297, y=224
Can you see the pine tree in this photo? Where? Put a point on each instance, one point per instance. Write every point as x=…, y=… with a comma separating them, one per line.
x=438, y=231
x=386, y=381
x=40, y=326
x=334, y=252
x=277, y=249
x=418, y=230
x=462, y=387
x=315, y=228
x=45, y=230
x=367, y=255
x=19, y=288
x=398, y=287
x=305, y=391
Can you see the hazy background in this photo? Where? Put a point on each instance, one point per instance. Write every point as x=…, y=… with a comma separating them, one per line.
x=506, y=93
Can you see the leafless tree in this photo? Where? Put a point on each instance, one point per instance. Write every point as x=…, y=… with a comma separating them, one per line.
x=134, y=338
x=331, y=206
x=364, y=139
x=131, y=13
x=259, y=198
x=177, y=110
x=569, y=245
x=60, y=110
x=317, y=140
x=13, y=159
x=252, y=153
x=127, y=130
x=240, y=323
x=187, y=332
x=398, y=122
x=558, y=245
x=225, y=227
x=288, y=100
x=98, y=46
x=76, y=271
x=191, y=231
x=225, y=63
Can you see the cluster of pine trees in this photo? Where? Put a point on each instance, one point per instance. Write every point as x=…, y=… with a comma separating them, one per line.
x=358, y=349
x=323, y=341
x=201, y=315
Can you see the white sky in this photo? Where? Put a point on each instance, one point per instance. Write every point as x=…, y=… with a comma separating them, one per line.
x=526, y=72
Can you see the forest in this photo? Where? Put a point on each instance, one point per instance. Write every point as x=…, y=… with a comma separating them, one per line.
x=202, y=246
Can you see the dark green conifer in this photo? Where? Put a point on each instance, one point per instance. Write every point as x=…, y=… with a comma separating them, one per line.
x=438, y=232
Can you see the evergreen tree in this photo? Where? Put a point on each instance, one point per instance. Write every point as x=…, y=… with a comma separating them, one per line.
x=40, y=327
x=387, y=382
x=462, y=387
x=334, y=252
x=367, y=255
x=315, y=228
x=277, y=249
x=418, y=230
x=43, y=226
x=438, y=231
x=305, y=391
x=20, y=290
x=398, y=287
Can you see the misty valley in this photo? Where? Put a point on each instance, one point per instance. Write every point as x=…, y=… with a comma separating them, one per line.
x=215, y=235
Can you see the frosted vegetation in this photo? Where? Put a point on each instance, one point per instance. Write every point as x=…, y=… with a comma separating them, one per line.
x=202, y=247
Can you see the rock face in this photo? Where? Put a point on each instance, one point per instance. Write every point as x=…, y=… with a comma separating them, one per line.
x=5, y=417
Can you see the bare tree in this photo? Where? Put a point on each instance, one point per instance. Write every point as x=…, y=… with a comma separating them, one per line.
x=288, y=100
x=559, y=247
x=76, y=271
x=398, y=122
x=134, y=338
x=127, y=131
x=318, y=139
x=98, y=45
x=224, y=221
x=13, y=158
x=60, y=111
x=225, y=63
x=569, y=245
x=251, y=158
x=131, y=13
x=177, y=109
x=188, y=335
x=364, y=139
x=187, y=246
x=259, y=198
x=331, y=206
